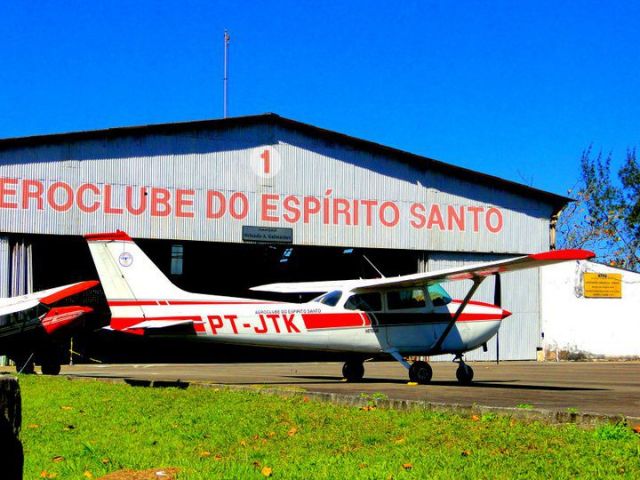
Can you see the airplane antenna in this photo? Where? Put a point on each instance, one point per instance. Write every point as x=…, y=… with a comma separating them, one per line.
x=374, y=267
x=226, y=74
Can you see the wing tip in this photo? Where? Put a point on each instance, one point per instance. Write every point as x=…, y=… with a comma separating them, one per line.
x=562, y=255
x=69, y=291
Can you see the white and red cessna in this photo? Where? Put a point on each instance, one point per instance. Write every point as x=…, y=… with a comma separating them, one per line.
x=399, y=316
x=30, y=325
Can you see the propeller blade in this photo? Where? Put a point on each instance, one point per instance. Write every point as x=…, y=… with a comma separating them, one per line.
x=497, y=291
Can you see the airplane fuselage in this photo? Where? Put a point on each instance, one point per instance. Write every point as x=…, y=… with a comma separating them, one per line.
x=399, y=316
x=313, y=325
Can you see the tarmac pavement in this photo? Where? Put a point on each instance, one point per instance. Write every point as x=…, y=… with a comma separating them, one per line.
x=608, y=388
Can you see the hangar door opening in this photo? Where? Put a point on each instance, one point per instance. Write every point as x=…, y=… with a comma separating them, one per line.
x=231, y=269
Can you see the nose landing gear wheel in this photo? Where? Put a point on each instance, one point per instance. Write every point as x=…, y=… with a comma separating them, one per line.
x=420, y=372
x=464, y=374
x=353, y=371
x=50, y=367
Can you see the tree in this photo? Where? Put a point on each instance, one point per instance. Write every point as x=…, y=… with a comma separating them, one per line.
x=605, y=217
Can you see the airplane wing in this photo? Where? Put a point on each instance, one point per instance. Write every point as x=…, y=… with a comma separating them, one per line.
x=51, y=296
x=418, y=279
x=305, y=287
x=46, y=297
x=7, y=308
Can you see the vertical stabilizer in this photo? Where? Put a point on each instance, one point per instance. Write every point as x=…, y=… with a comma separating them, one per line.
x=125, y=271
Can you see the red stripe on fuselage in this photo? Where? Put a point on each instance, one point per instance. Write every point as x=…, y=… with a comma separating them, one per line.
x=478, y=317
x=155, y=303
x=315, y=321
x=133, y=303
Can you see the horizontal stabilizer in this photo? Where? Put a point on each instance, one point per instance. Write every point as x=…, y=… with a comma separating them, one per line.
x=60, y=317
x=153, y=324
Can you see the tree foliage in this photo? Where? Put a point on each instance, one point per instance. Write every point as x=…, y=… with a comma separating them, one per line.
x=605, y=217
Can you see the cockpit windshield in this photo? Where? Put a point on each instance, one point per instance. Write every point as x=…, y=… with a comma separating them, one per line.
x=331, y=299
x=439, y=295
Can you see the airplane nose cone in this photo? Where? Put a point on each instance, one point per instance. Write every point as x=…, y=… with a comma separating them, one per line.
x=505, y=313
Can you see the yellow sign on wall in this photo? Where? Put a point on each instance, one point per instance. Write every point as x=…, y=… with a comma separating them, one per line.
x=602, y=285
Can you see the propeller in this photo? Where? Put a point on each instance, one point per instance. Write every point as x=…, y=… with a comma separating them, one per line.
x=497, y=291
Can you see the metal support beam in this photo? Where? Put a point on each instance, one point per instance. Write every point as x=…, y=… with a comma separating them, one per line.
x=438, y=344
x=5, y=275
x=400, y=358
x=5, y=278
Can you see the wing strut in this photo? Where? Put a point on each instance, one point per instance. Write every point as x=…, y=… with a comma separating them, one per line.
x=476, y=283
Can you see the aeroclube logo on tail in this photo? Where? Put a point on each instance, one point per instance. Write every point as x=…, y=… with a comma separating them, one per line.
x=125, y=259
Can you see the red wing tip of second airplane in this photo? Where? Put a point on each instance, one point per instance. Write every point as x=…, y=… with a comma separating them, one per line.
x=68, y=292
x=117, y=235
x=559, y=255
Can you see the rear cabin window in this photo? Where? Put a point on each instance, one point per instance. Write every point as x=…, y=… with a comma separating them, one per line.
x=405, y=299
x=368, y=302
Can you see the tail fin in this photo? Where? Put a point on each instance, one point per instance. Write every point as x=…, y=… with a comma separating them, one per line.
x=125, y=271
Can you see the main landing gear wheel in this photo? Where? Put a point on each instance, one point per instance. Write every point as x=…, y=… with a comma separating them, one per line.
x=50, y=367
x=420, y=372
x=464, y=374
x=353, y=371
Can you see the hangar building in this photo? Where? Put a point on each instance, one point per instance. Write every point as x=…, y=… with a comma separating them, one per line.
x=222, y=205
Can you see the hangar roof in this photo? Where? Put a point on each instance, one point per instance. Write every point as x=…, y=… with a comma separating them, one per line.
x=557, y=201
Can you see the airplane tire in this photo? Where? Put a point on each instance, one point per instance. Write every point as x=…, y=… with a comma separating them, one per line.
x=50, y=368
x=353, y=371
x=24, y=365
x=420, y=372
x=464, y=374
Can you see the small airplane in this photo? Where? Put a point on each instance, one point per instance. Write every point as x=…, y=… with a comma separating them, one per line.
x=30, y=324
x=408, y=315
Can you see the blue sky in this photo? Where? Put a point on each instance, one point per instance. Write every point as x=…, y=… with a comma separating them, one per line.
x=516, y=89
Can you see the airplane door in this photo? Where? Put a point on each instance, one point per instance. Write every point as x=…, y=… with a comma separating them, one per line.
x=405, y=320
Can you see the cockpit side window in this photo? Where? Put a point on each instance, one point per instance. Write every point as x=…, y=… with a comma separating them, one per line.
x=368, y=302
x=331, y=299
x=439, y=295
x=407, y=298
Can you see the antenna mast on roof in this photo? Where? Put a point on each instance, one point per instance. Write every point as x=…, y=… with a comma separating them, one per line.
x=226, y=70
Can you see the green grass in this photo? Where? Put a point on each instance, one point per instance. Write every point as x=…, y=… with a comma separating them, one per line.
x=100, y=428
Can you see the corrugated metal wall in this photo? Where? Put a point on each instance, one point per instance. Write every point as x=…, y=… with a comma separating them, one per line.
x=520, y=333
x=21, y=272
x=204, y=161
